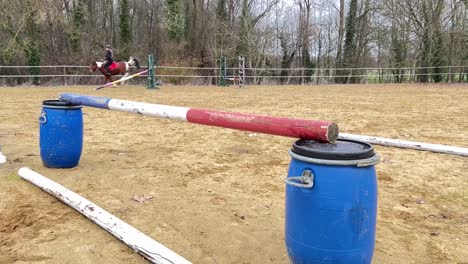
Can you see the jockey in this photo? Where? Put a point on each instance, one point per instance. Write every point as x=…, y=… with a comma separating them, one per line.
x=108, y=59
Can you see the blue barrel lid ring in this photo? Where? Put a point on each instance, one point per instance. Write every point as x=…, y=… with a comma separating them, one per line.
x=59, y=104
x=342, y=153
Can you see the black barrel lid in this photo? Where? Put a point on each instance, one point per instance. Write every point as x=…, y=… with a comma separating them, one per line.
x=56, y=102
x=342, y=149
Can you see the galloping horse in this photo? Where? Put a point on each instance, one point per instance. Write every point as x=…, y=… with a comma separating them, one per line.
x=116, y=68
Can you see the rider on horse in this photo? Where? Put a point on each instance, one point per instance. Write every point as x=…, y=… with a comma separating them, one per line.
x=118, y=67
x=108, y=59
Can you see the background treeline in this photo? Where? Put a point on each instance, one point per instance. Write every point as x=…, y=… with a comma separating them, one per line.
x=318, y=35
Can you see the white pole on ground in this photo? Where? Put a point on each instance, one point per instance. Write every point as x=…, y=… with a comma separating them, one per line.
x=2, y=157
x=141, y=243
x=407, y=144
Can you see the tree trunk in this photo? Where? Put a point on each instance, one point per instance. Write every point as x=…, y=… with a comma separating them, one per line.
x=350, y=40
x=340, y=34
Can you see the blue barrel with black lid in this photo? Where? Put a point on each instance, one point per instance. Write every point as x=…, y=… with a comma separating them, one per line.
x=331, y=202
x=60, y=134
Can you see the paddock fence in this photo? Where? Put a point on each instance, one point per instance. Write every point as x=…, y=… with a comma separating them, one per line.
x=58, y=75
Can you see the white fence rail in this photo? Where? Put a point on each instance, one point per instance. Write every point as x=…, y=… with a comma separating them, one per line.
x=76, y=75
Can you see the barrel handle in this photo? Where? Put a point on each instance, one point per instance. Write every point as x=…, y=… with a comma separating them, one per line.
x=306, y=180
x=43, y=118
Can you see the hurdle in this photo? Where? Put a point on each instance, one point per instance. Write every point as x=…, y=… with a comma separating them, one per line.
x=121, y=80
x=322, y=131
x=240, y=78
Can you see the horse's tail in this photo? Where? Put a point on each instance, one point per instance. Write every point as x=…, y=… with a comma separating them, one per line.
x=134, y=62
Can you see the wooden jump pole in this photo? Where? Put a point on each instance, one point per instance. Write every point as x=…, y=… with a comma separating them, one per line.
x=323, y=131
x=141, y=243
x=121, y=80
x=407, y=144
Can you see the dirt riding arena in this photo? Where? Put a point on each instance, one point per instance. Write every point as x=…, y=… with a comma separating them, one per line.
x=218, y=194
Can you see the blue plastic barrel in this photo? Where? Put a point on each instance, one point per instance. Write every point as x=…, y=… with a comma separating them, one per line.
x=60, y=134
x=331, y=202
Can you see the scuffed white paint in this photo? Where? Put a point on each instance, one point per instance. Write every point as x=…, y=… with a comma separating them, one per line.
x=156, y=110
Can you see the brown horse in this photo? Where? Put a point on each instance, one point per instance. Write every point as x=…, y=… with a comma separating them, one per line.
x=116, y=68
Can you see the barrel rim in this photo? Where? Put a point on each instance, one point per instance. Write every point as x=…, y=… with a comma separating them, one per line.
x=358, y=163
x=299, y=148
x=55, y=103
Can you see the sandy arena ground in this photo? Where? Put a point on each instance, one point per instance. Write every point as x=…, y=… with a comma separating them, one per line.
x=219, y=193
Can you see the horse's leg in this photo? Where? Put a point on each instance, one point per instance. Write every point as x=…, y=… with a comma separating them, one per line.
x=125, y=75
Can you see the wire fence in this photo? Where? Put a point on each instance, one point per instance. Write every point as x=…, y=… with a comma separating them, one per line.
x=80, y=75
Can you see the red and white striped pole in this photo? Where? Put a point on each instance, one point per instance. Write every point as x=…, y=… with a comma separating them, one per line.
x=323, y=131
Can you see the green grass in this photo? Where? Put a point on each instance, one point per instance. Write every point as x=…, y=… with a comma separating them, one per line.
x=456, y=198
x=13, y=176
